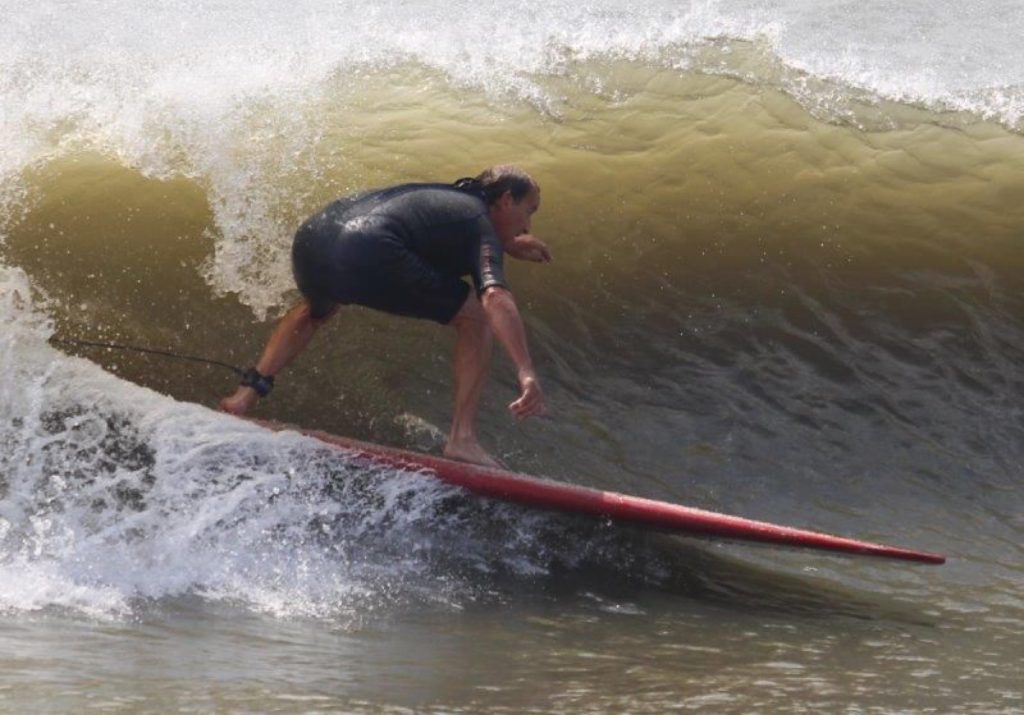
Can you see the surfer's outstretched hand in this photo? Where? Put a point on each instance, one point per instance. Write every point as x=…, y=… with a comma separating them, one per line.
x=531, y=399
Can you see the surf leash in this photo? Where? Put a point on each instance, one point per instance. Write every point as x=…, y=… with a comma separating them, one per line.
x=250, y=377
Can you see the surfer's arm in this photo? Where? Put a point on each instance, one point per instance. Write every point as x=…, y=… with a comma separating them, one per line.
x=503, y=316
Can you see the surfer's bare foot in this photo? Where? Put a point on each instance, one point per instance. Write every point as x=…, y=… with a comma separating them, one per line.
x=471, y=452
x=244, y=399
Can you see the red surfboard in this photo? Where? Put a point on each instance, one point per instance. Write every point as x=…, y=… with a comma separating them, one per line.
x=547, y=494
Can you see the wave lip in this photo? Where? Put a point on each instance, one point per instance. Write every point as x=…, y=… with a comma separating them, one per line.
x=94, y=71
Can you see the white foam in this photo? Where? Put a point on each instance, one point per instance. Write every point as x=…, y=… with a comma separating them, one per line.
x=111, y=493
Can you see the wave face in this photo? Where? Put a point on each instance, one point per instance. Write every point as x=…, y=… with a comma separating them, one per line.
x=241, y=97
x=788, y=284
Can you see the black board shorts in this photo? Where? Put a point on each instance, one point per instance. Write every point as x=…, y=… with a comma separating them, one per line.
x=371, y=269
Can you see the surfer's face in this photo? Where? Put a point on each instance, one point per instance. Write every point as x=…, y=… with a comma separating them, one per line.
x=512, y=218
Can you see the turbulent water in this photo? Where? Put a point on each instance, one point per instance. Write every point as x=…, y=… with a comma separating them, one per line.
x=788, y=284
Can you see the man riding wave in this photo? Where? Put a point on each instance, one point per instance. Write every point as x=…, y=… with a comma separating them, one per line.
x=404, y=250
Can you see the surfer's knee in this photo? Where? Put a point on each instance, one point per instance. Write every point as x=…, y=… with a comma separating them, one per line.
x=314, y=315
x=471, y=316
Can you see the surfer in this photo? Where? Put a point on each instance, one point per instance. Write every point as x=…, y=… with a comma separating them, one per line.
x=404, y=250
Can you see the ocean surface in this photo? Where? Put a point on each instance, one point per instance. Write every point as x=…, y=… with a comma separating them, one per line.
x=788, y=284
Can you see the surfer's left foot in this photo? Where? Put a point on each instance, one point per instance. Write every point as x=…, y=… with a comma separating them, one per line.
x=473, y=453
x=244, y=399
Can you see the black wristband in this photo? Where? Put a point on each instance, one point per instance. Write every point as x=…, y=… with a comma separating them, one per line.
x=263, y=384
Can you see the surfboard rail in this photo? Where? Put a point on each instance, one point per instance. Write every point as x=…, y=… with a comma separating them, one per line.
x=559, y=496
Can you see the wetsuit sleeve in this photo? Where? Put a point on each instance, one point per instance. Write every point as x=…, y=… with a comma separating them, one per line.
x=489, y=269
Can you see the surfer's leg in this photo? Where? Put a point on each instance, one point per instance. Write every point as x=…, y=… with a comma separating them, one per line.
x=289, y=339
x=472, y=358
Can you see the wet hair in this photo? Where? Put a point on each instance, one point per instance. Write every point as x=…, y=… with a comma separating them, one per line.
x=492, y=184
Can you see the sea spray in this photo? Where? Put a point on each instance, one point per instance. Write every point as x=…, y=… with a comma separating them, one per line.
x=112, y=495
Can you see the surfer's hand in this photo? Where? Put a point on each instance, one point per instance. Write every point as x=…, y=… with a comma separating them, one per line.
x=531, y=399
x=526, y=247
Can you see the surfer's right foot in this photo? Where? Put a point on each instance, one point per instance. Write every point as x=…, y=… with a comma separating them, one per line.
x=472, y=453
x=244, y=399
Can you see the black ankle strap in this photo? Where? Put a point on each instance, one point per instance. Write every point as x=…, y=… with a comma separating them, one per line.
x=263, y=384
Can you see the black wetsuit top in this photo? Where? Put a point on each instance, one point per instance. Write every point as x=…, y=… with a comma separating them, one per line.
x=403, y=250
